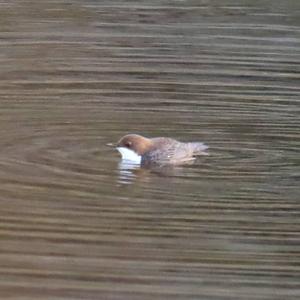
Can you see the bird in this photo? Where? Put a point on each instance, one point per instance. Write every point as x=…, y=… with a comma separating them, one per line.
x=145, y=151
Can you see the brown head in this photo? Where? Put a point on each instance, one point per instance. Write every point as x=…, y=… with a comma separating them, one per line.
x=136, y=143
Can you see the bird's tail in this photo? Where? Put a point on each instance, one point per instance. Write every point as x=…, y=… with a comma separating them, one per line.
x=198, y=148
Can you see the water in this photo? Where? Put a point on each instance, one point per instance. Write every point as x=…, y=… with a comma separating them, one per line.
x=77, y=224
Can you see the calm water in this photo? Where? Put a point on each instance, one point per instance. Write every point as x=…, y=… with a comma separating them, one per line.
x=75, y=223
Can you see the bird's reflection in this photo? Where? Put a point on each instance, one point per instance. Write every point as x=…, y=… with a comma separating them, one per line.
x=129, y=172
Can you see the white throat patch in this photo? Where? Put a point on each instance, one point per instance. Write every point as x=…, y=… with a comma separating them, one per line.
x=129, y=155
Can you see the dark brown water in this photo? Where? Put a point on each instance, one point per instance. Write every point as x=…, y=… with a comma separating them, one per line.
x=76, y=75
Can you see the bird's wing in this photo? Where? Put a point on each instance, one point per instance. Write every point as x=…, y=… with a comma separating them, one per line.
x=169, y=152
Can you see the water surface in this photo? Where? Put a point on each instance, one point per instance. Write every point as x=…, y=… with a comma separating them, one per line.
x=77, y=75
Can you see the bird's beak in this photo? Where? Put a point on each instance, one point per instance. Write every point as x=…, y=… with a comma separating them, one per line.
x=111, y=145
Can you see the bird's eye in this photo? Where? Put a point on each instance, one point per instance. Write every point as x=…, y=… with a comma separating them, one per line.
x=128, y=144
